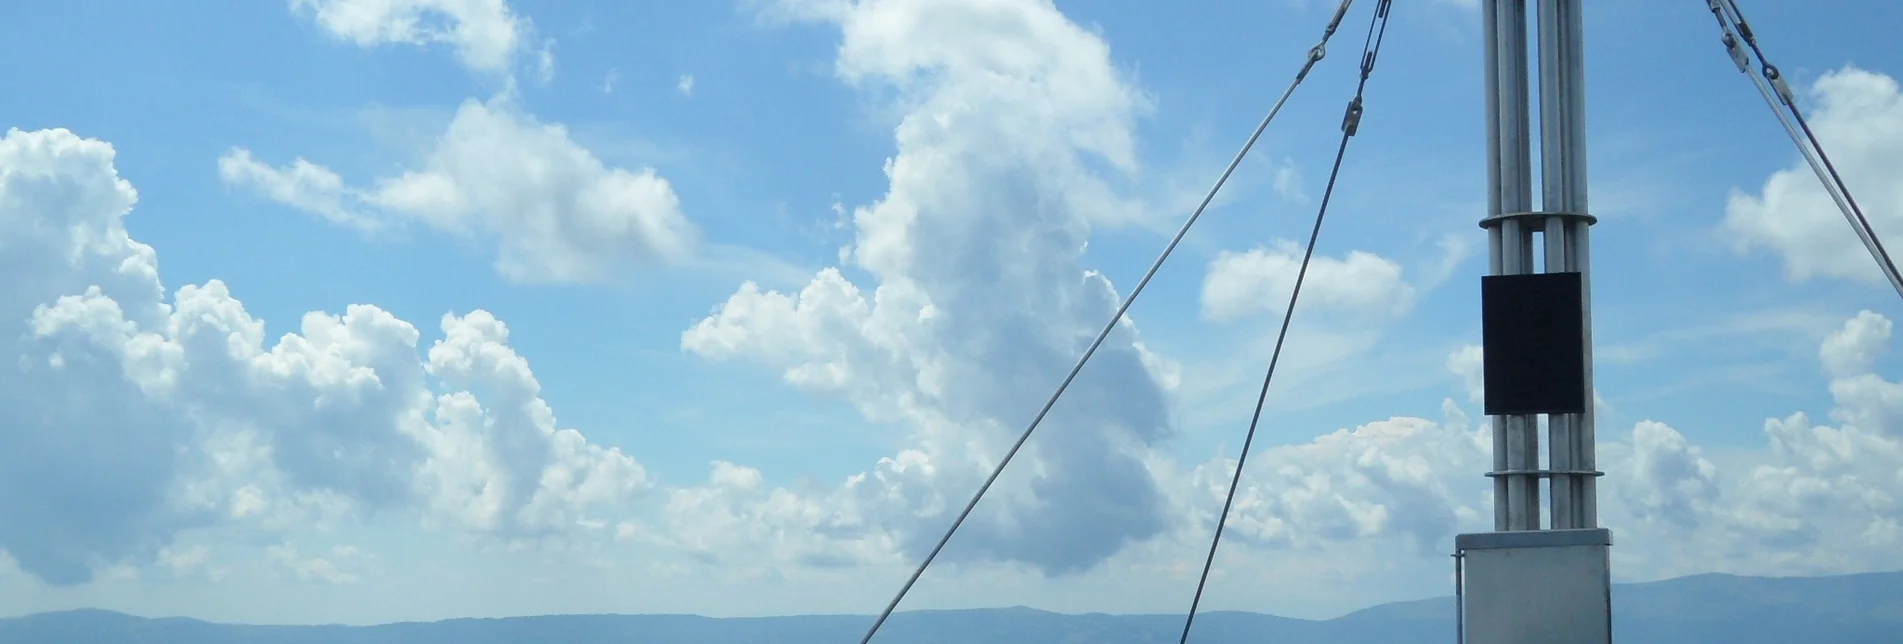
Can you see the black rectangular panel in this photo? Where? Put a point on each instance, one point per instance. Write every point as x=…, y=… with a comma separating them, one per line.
x=1533, y=328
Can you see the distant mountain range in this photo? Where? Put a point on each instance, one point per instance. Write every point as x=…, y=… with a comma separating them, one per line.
x=1691, y=610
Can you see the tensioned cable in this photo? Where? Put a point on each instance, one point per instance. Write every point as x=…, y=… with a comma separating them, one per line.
x=1351, y=121
x=1778, y=96
x=1847, y=202
x=1315, y=55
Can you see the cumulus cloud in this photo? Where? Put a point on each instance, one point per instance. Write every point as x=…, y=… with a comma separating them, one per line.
x=198, y=419
x=485, y=33
x=1289, y=181
x=1469, y=362
x=1259, y=281
x=978, y=301
x=1818, y=499
x=1858, y=116
x=1669, y=479
x=1836, y=488
x=736, y=512
x=193, y=562
x=555, y=212
x=302, y=185
x=330, y=570
x=1411, y=479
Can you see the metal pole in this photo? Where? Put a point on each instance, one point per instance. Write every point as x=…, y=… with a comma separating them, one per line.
x=1563, y=182
x=1516, y=499
x=1496, y=158
x=1460, y=604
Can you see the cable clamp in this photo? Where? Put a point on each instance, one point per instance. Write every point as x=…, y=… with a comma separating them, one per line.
x=1737, y=53
x=1777, y=83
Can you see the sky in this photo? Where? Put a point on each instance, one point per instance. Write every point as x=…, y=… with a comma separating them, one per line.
x=359, y=311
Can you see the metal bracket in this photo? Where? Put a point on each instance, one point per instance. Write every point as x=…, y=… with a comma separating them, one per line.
x=1539, y=218
x=1546, y=474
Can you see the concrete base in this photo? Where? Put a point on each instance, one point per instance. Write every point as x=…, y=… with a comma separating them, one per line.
x=1548, y=586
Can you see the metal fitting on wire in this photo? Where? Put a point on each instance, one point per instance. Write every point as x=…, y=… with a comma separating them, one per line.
x=1778, y=84
x=1336, y=21
x=1738, y=56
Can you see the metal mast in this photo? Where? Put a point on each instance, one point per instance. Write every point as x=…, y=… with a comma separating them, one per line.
x=1531, y=580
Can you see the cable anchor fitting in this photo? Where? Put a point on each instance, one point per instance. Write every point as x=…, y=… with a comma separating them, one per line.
x=1777, y=83
x=1336, y=21
x=1351, y=121
x=1315, y=55
x=1738, y=56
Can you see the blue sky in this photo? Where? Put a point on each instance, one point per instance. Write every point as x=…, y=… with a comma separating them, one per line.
x=605, y=179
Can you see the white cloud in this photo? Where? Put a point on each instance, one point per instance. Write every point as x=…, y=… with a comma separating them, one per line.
x=1454, y=250
x=201, y=421
x=980, y=303
x=1258, y=282
x=1819, y=500
x=303, y=185
x=558, y=213
x=1408, y=478
x=1670, y=479
x=545, y=61
x=329, y=570
x=554, y=210
x=191, y=562
x=1469, y=362
x=735, y=513
x=685, y=85
x=1858, y=116
x=608, y=82
x=1288, y=182
x=1854, y=349
x=485, y=33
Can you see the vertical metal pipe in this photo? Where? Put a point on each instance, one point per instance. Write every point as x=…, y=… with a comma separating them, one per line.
x=1555, y=192
x=1564, y=189
x=1490, y=25
x=1521, y=199
x=1531, y=426
x=1518, y=140
x=1501, y=520
x=1510, y=154
x=1560, y=443
x=1460, y=601
x=1496, y=258
x=1496, y=133
x=1585, y=455
x=1516, y=447
x=1510, y=190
